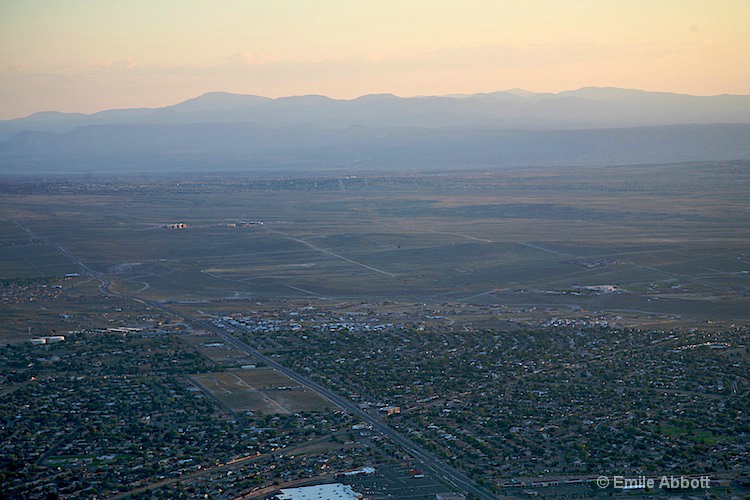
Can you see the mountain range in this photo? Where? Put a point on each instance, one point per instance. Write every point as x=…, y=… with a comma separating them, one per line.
x=219, y=130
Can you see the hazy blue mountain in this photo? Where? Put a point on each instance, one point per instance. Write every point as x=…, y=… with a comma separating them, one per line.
x=218, y=100
x=510, y=109
x=514, y=127
x=232, y=147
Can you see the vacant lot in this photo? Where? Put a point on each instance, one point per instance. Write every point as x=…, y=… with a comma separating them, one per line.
x=259, y=390
x=212, y=347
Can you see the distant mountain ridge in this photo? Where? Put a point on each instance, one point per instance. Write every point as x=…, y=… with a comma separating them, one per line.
x=223, y=131
x=589, y=107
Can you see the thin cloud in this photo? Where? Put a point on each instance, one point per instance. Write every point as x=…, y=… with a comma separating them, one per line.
x=251, y=58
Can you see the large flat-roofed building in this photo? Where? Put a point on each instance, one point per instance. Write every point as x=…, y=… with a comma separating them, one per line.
x=333, y=491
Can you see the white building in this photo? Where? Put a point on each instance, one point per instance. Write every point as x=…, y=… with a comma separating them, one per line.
x=321, y=492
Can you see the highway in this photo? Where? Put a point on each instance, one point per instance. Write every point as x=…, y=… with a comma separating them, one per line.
x=442, y=470
x=449, y=474
x=103, y=280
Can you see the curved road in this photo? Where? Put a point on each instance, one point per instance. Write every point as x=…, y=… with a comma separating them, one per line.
x=448, y=473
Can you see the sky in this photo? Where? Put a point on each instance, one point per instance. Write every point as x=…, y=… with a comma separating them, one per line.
x=90, y=55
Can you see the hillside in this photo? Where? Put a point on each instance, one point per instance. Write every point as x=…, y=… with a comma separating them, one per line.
x=221, y=131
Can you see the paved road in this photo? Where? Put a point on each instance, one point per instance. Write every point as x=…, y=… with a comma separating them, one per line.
x=430, y=461
x=332, y=254
x=449, y=474
x=234, y=464
x=103, y=280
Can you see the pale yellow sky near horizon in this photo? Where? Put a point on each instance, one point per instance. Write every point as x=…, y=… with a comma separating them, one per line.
x=86, y=56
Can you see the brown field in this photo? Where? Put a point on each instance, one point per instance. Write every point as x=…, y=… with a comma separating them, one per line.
x=223, y=355
x=675, y=238
x=259, y=390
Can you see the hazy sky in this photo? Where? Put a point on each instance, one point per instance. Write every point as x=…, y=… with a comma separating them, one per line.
x=89, y=55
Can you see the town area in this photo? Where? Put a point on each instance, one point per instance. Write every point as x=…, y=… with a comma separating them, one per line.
x=150, y=404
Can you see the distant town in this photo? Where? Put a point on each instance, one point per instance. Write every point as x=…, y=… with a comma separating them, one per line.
x=442, y=336
x=152, y=407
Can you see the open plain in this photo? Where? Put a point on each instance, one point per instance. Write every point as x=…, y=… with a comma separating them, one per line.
x=664, y=240
x=474, y=331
